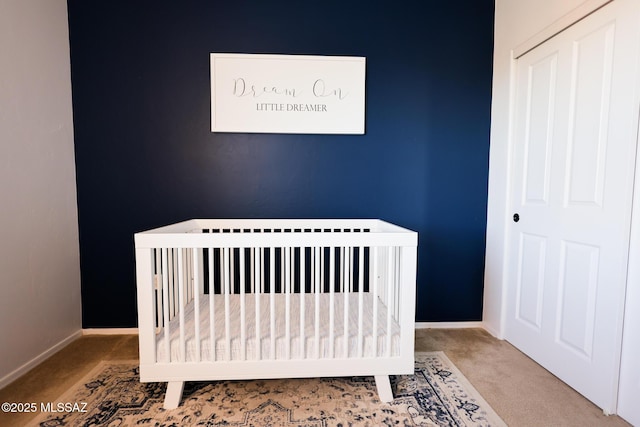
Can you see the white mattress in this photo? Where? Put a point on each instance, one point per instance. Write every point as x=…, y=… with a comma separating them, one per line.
x=279, y=347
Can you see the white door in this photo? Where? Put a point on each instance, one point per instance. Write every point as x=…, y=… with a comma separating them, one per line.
x=574, y=139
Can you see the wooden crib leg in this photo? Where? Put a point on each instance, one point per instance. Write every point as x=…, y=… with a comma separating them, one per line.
x=173, y=395
x=384, y=388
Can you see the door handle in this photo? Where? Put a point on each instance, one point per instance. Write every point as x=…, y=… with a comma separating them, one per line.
x=516, y=217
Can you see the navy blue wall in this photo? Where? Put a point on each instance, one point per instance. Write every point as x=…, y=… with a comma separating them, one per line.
x=145, y=156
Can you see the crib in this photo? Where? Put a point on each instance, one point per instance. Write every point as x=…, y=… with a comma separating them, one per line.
x=281, y=298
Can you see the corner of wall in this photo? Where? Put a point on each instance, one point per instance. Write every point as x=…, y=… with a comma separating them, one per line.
x=40, y=305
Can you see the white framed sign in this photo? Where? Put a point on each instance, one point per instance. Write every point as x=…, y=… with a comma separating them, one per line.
x=258, y=93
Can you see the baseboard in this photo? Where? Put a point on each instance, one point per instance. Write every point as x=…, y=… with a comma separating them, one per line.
x=14, y=375
x=493, y=332
x=449, y=325
x=110, y=331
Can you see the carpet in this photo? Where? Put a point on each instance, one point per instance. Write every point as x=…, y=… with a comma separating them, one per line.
x=436, y=395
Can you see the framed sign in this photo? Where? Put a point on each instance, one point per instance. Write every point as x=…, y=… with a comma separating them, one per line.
x=287, y=94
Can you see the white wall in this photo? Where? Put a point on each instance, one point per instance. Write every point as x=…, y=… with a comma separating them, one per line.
x=516, y=22
x=40, y=307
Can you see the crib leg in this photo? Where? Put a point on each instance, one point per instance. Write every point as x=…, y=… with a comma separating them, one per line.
x=173, y=395
x=384, y=388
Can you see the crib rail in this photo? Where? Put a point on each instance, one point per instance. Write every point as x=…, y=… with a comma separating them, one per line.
x=275, y=290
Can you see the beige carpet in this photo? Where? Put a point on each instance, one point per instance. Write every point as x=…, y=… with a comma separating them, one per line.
x=436, y=395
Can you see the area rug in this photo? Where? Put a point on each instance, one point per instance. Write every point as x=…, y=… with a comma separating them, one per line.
x=436, y=395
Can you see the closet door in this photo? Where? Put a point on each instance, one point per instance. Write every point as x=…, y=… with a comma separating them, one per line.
x=574, y=140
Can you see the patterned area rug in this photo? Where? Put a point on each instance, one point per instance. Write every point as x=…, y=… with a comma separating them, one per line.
x=436, y=395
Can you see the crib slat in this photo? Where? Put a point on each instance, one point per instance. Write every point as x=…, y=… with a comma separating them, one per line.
x=263, y=280
x=196, y=294
x=165, y=305
x=373, y=282
x=258, y=289
x=332, y=284
x=184, y=276
x=212, y=308
x=232, y=271
x=318, y=277
x=303, y=294
x=339, y=254
x=360, y=300
x=352, y=277
x=190, y=275
x=170, y=274
x=346, y=272
x=157, y=290
x=287, y=289
x=390, y=287
x=191, y=272
x=181, y=303
x=227, y=310
x=176, y=282
x=396, y=281
x=243, y=322
x=252, y=282
x=272, y=302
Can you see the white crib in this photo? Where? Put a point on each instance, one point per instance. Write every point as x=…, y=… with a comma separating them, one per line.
x=257, y=299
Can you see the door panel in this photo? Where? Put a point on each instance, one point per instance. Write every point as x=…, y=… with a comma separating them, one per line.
x=591, y=88
x=531, y=279
x=574, y=141
x=578, y=287
x=541, y=93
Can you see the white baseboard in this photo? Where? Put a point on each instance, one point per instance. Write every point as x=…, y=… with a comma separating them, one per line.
x=110, y=331
x=449, y=325
x=493, y=332
x=14, y=375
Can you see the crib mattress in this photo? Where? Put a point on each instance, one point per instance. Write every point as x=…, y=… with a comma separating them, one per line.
x=310, y=345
